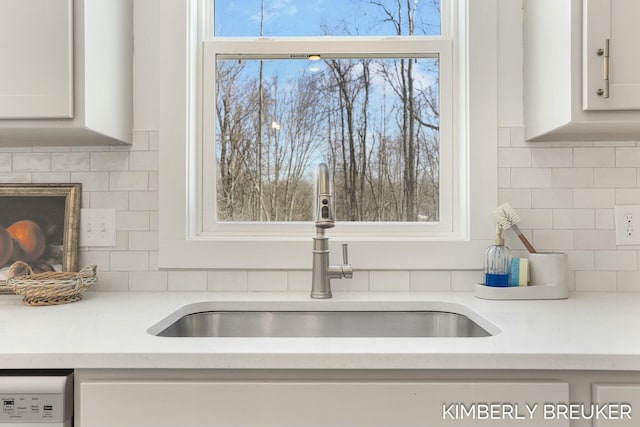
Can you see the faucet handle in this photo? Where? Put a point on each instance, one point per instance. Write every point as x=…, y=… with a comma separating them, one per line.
x=345, y=253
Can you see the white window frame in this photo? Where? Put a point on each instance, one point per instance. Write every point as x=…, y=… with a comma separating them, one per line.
x=186, y=240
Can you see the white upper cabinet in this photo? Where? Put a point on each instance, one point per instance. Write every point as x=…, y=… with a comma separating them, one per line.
x=67, y=72
x=36, y=77
x=581, y=70
x=611, y=58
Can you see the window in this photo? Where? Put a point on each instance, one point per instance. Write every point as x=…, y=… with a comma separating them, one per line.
x=248, y=110
x=365, y=86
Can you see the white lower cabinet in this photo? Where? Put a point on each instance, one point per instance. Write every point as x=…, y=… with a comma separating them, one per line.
x=101, y=402
x=614, y=397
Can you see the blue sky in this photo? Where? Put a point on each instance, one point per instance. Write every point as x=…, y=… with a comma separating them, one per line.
x=308, y=17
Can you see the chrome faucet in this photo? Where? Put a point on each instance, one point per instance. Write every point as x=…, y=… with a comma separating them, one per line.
x=322, y=271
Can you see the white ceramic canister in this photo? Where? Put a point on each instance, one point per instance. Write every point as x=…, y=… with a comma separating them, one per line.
x=548, y=268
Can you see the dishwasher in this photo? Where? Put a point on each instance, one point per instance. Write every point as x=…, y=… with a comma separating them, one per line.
x=36, y=398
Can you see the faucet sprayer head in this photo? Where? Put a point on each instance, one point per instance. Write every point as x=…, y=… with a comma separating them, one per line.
x=324, y=202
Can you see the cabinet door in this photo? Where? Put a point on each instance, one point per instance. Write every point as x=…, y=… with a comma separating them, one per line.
x=312, y=404
x=36, y=55
x=611, y=34
x=617, y=394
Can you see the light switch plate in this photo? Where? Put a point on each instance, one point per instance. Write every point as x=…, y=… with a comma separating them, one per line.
x=627, y=219
x=97, y=227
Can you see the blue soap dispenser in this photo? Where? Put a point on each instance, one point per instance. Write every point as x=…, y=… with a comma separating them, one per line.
x=497, y=260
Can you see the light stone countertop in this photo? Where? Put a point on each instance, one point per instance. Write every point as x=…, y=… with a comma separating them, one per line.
x=588, y=331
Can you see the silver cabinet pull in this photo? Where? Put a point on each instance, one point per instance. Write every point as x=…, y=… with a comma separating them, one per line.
x=604, y=52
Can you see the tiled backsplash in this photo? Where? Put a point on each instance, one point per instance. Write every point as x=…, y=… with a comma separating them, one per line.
x=564, y=192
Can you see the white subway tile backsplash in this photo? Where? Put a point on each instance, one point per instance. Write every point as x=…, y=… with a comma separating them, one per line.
x=504, y=137
x=143, y=200
x=267, y=281
x=299, y=281
x=627, y=196
x=154, y=181
x=148, y=281
x=110, y=161
x=552, y=240
x=603, y=281
x=132, y=221
x=465, y=280
x=187, y=280
x=227, y=280
x=605, y=219
x=389, y=281
x=614, y=143
x=154, y=219
x=112, y=281
x=627, y=157
x=5, y=162
x=532, y=219
x=92, y=181
x=143, y=240
x=118, y=200
x=430, y=281
x=596, y=157
x=572, y=177
x=593, y=198
x=563, y=191
x=581, y=260
x=573, y=219
x=140, y=141
x=517, y=137
x=551, y=157
x=129, y=261
x=153, y=260
x=516, y=197
x=620, y=260
x=530, y=177
x=122, y=241
x=50, y=177
x=128, y=181
x=514, y=157
x=595, y=239
x=100, y=258
x=143, y=160
x=504, y=177
x=628, y=281
x=615, y=177
x=552, y=198
x=15, y=177
x=31, y=162
x=70, y=161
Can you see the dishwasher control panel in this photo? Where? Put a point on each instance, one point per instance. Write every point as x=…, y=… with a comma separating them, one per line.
x=43, y=400
x=31, y=408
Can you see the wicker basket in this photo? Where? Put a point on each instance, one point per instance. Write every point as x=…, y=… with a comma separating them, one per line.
x=51, y=287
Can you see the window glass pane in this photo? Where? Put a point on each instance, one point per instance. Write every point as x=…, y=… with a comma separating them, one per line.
x=326, y=17
x=375, y=122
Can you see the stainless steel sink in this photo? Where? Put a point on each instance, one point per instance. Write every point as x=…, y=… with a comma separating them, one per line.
x=323, y=324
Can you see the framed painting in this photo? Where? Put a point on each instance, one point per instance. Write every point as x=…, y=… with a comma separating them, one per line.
x=39, y=224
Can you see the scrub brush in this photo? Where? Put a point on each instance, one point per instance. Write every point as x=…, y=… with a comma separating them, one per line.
x=507, y=217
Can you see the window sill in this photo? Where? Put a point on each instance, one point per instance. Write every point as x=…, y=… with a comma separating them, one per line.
x=294, y=254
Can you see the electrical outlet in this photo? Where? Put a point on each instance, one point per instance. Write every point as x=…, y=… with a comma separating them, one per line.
x=97, y=227
x=627, y=231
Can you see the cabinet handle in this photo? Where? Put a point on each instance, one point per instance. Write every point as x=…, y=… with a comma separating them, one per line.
x=604, y=92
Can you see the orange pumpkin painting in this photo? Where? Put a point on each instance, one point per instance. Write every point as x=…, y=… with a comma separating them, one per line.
x=29, y=242
x=32, y=231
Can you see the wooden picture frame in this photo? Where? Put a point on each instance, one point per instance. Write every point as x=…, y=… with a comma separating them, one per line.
x=39, y=224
